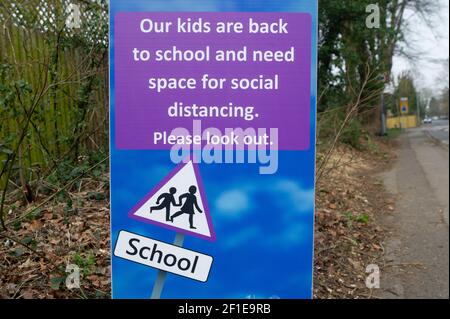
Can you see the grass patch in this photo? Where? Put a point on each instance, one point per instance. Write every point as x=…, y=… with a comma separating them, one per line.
x=394, y=133
x=86, y=263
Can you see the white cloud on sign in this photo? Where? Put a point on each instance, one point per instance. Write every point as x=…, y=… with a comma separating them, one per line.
x=241, y=202
x=298, y=199
x=232, y=204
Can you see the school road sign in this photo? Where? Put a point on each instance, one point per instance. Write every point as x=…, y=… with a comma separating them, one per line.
x=213, y=124
x=156, y=254
x=404, y=105
x=160, y=206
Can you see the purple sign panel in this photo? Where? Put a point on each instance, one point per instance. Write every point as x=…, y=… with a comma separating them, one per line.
x=186, y=78
x=213, y=110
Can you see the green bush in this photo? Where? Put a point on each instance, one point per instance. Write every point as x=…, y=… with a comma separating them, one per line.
x=352, y=133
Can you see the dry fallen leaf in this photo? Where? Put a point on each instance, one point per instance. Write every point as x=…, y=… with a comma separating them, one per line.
x=48, y=216
x=27, y=294
x=36, y=225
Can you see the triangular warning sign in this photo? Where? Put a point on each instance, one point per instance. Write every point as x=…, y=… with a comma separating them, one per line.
x=178, y=203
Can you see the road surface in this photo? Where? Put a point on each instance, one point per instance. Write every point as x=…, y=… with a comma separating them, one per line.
x=438, y=130
x=417, y=249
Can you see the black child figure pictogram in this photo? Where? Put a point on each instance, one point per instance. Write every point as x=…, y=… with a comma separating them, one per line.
x=188, y=206
x=167, y=200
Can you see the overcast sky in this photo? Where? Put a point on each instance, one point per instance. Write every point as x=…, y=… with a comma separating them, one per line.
x=433, y=43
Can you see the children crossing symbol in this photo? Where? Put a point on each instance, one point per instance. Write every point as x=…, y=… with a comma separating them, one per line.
x=178, y=203
x=167, y=200
x=188, y=207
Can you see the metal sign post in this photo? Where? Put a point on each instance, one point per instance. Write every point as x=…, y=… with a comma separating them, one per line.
x=161, y=276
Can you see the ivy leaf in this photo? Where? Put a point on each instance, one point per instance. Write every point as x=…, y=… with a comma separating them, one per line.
x=55, y=282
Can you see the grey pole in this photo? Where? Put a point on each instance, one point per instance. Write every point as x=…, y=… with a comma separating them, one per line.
x=161, y=276
x=383, y=115
x=419, y=121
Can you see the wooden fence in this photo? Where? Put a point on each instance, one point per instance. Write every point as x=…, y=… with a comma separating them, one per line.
x=53, y=86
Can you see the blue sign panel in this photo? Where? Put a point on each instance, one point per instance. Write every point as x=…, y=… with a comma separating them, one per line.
x=213, y=124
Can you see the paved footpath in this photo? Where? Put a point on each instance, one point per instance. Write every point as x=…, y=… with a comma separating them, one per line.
x=417, y=249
